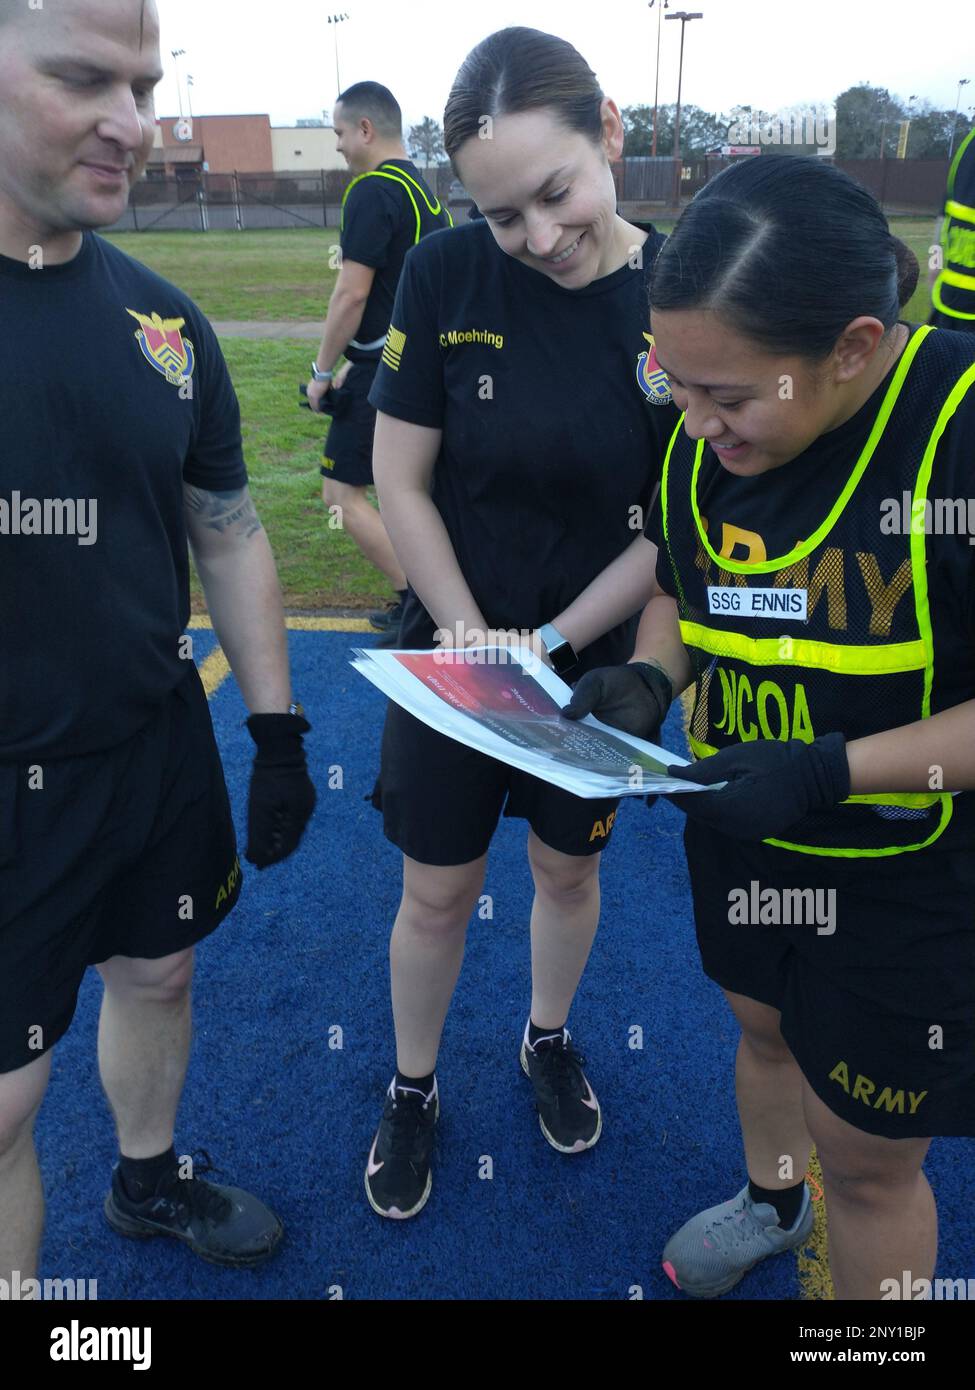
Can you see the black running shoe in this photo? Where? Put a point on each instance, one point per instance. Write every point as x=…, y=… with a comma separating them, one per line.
x=398, y=1178
x=388, y=640
x=224, y=1225
x=568, y=1111
x=389, y=618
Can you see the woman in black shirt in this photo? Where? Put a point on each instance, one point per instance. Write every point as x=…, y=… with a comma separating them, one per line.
x=518, y=443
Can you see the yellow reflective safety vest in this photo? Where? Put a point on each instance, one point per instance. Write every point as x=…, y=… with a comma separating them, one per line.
x=836, y=634
x=414, y=189
x=953, y=293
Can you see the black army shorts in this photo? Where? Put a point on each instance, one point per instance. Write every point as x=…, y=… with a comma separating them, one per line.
x=876, y=986
x=348, y=446
x=126, y=852
x=442, y=801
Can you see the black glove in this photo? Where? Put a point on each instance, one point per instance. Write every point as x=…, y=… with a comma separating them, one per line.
x=282, y=797
x=771, y=785
x=335, y=402
x=633, y=698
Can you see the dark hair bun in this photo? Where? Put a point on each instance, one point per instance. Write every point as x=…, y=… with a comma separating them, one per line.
x=908, y=270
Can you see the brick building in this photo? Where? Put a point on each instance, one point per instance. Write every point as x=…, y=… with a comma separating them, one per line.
x=241, y=144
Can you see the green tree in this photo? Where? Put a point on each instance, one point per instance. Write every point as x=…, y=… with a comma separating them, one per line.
x=867, y=117
x=699, y=131
x=426, y=140
x=930, y=132
x=638, y=131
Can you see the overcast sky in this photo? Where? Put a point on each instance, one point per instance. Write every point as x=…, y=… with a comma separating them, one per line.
x=278, y=56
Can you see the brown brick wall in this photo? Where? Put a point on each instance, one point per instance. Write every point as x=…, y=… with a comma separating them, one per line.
x=229, y=142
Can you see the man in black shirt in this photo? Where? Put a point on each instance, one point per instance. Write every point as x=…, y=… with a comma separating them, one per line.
x=121, y=440
x=387, y=209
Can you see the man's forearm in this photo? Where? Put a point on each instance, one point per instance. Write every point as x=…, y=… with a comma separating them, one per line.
x=244, y=600
x=658, y=641
x=342, y=324
x=621, y=590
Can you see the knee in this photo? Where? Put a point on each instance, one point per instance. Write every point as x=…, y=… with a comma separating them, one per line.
x=437, y=911
x=349, y=499
x=568, y=880
x=862, y=1179
x=21, y=1093
x=165, y=981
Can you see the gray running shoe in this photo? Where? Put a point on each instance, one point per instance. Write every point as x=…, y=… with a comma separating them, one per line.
x=712, y=1251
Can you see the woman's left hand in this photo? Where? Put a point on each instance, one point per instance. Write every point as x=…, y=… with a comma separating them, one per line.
x=771, y=785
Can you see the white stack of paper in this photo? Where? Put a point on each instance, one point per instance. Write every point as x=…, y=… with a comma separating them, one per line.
x=504, y=702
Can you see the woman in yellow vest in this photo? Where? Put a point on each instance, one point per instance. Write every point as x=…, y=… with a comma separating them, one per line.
x=815, y=534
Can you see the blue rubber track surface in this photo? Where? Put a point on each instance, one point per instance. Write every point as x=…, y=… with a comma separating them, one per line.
x=286, y=1115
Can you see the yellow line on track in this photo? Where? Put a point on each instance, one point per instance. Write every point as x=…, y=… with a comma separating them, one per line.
x=201, y=623
x=214, y=671
x=813, y=1257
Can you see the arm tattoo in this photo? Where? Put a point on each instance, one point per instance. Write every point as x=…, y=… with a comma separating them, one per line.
x=232, y=511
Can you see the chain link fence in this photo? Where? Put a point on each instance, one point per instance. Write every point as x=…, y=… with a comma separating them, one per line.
x=247, y=202
x=645, y=187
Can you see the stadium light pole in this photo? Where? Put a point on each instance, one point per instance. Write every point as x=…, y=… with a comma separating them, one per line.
x=656, y=86
x=337, y=19
x=910, y=116
x=177, y=54
x=962, y=82
x=685, y=18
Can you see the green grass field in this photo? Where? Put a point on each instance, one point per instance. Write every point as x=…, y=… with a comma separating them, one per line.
x=243, y=275
x=320, y=567
x=273, y=276
x=284, y=276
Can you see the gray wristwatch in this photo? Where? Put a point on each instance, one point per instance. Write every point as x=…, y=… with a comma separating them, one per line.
x=320, y=376
x=560, y=651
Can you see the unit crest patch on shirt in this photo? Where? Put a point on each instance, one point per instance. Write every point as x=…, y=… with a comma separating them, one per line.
x=164, y=347
x=651, y=378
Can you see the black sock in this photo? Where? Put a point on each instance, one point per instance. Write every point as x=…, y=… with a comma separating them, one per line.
x=415, y=1083
x=787, y=1201
x=140, y=1176
x=534, y=1033
x=401, y=595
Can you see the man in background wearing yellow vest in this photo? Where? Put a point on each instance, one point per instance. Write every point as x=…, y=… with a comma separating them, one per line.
x=386, y=210
x=953, y=284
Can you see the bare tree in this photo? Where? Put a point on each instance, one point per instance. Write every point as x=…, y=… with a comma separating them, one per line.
x=426, y=139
